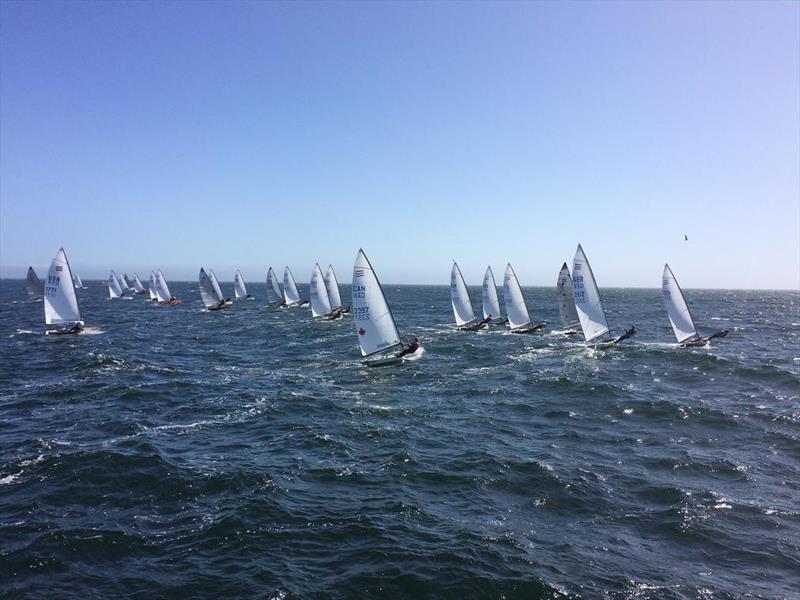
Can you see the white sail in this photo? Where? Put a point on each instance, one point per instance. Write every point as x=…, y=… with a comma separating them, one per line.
x=290, y=293
x=152, y=289
x=137, y=284
x=566, y=298
x=587, y=298
x=459, y=298
x=126, y=284
x=274, y=294
x=207, y=291
x=34, y=285
x=375, y=324
x=677, y=309
x=60, y=300
x=320, y=303
x=215, y=283
x=516, y=309
x=239, y=288
x=120, y=283
x=76, y=279
x=162, y=290
x=332, y=285
x=114, y=287
x=491, y=303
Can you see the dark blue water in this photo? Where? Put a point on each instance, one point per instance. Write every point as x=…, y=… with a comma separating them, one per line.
x=248, y=453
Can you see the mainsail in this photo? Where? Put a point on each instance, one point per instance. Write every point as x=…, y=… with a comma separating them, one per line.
x=215, y=284
x=126, y=284
x=207, y=291
x=320, y=303
x=76, y=279
x=239, y=288
x=34, y=285
x=162, y=290
x=375, y=324
x=566, y=298
x=137, y=284
x=290, y=294
x=459, y=297
x=60, y=300
x=114, y=287
x=677, y=309
x=332, y=285
x=152, y=289
x=491, y=304
x=516, y=309
x=587, y=298
x=274, y=294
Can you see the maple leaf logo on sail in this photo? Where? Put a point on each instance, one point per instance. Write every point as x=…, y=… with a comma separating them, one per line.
x=361, y=331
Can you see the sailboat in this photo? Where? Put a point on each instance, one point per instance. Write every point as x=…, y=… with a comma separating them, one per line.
x=137, y=285
x=152, y=287
x=679, y=315
x=491, y=304
x=274, y=294
x=518, y=318
x=570, y=324
x=114, y=286
x=332, y=285
x=126, y=284
x=60, y=299
x=589, y=305
x=76, y=280
x=163, y=295
x=377, y=332
x=290, y=294
x=320, y=302
x=239, y=289
x=462, y=305
x=34, y=286
x=211, y=293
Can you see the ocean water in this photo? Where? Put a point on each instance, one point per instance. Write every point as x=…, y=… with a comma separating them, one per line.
x=249, y=453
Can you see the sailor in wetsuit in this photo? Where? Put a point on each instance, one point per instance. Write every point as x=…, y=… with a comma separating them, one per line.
x=629, y=333
x=486, y=321
x=412, y=347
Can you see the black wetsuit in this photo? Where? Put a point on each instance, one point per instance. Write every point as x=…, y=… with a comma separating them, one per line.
x=413, y=347
x=630, y=333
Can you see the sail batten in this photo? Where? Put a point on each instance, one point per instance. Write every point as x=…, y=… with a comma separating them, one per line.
x=332, y=285
x=377, y=331
x=459, y=298
x=588, y=303
x=60, y=299
x=678, y=311
x=516, y=309
x=318, y=294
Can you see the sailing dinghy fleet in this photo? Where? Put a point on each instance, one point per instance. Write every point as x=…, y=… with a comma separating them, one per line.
x=580, y=304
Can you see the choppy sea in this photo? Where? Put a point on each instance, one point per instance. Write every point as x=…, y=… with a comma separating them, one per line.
x=250, y=454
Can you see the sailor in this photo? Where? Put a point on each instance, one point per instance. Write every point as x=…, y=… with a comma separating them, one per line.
x=412, y=347
x=76, y=328
x=486, y=321
x=629, y=333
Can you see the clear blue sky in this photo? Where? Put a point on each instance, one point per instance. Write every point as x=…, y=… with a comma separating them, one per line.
x=180, y=135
